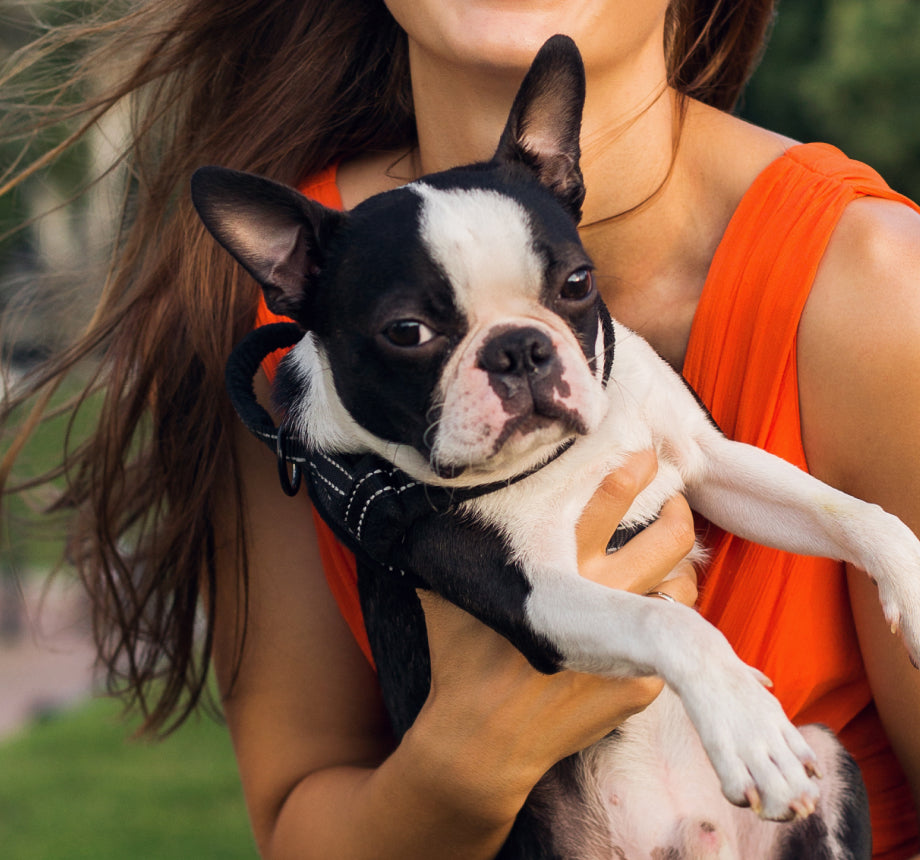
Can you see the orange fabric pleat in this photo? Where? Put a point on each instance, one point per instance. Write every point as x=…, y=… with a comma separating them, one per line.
x=788, y=615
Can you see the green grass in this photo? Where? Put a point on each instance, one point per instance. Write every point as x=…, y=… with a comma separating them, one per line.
x=75, y=786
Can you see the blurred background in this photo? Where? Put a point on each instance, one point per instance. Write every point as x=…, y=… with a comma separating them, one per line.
x=72, y=783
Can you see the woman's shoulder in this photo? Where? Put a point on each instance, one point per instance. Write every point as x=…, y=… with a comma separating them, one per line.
x=859, y=342
x=866, y=292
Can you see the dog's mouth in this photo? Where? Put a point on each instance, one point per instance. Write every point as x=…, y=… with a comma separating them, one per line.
x=509, y=406
x=531, y=429
x=524, y=443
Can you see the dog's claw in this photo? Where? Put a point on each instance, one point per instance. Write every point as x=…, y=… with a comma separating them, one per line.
x=812, y=769
x=752, y=795
x=803, y=808
x=764, y=679
x=894, y=625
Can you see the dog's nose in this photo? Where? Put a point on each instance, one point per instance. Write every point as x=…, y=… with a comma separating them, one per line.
x=520, y=352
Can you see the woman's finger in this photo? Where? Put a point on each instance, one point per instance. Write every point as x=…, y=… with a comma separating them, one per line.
x=611, y=501
x=651, y=557
x=680, y=586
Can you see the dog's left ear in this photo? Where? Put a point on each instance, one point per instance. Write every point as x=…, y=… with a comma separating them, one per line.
x=545, y=122
x=276, y=234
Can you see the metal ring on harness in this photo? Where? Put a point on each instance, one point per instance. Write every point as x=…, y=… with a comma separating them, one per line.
x=290, y=485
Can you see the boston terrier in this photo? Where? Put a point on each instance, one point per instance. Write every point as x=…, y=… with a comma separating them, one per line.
x=457, y=392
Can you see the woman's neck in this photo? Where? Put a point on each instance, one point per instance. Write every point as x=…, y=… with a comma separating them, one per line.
x=627, y=130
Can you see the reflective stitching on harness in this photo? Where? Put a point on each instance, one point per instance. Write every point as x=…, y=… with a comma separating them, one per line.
x=367, y=504
x=354, y=491
x=315, y=470
x=335, y=463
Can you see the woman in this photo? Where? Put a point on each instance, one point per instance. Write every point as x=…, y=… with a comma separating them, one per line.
x=286, y=89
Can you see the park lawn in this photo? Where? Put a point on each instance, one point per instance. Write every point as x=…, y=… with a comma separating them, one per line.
x=76, y=787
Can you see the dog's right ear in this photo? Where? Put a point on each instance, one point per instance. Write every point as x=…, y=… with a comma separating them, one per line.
x=543, y=128
x=276, y=234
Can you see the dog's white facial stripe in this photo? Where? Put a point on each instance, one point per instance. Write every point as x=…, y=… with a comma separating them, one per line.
x=483, y=242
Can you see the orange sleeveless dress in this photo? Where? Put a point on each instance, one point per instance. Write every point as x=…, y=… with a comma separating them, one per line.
x=788, y=615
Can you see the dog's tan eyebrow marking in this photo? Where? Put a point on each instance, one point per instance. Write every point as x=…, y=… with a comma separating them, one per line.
x=483, y=242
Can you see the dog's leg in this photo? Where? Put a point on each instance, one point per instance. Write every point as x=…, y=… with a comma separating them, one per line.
x=762, y=498
x=760, y=758
x=468, y=562
x=765, y=499
x=531, y=593
x=560, y=620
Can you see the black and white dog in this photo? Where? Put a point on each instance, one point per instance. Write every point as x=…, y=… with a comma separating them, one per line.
x=455, y=337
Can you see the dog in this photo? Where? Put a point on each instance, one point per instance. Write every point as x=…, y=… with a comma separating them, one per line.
x=454, y=343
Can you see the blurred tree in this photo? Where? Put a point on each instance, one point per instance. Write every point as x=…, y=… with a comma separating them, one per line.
x=846, y=72
x=48, y=236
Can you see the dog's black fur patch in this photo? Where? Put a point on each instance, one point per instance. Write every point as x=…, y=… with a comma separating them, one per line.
x=811, y=839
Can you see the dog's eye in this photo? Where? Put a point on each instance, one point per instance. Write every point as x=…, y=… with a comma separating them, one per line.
x=578, y=286
x=408, y=333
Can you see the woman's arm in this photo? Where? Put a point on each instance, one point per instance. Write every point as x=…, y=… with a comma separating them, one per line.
x=320, y=770
x=859, y=374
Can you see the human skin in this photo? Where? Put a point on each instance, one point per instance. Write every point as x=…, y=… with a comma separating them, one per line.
x=322, y=775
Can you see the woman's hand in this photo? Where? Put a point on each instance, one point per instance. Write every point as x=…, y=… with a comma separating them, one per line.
x=495, y=724
x=643, y=565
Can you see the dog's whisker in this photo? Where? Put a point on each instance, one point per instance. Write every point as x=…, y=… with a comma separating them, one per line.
x=433, y=416
x=602, y=354
x=430, y=430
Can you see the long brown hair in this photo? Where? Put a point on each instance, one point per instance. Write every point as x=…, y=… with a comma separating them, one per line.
x=278, y=87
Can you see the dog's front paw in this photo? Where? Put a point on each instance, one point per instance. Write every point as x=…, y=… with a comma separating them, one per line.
x=901, y=607
x=761, y=759
x=896, y=572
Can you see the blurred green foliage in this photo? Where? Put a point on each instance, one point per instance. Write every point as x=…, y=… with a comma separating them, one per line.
x=846, y=72
x=29, y=542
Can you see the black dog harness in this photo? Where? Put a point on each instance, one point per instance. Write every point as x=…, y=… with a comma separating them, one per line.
x=366, y=500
